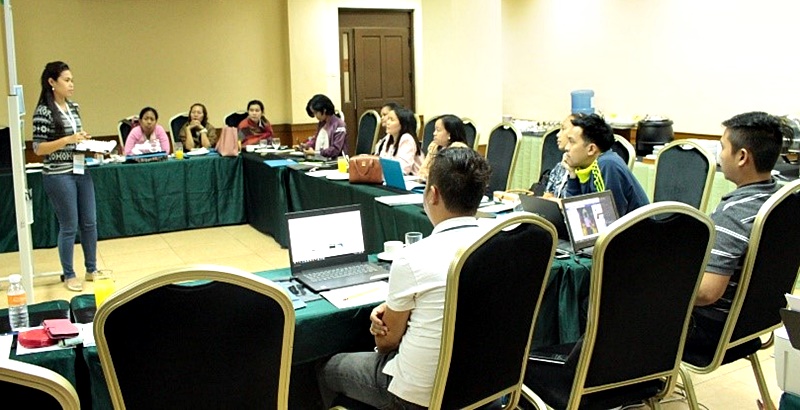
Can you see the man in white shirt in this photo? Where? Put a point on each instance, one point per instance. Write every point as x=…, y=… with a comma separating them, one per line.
x=408, y=326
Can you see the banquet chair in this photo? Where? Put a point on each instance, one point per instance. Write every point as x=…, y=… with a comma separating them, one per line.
x=769, y=271
x=223, y=340
x=630, y=354
x=124, y=127
x=625, y=150
x=418, y=126
x=684, y=173
x=485, y=343
x=233, y=119
x=427, y=133
x=36, y=387
x=473, y=136
x=176, y=123
x=369, y=127
x=501, y=153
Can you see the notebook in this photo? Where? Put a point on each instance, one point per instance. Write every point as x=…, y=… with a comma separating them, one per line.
x=587, y=216
x=393, y=176
x=326, y=248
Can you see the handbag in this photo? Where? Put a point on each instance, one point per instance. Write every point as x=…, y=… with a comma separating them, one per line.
x=366, y=169
x=228, y=142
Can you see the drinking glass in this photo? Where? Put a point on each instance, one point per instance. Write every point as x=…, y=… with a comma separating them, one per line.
x=413, y=237
x=103, y=286
x=276, y=142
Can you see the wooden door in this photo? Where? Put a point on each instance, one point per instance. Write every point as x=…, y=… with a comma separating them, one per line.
x=376, y=63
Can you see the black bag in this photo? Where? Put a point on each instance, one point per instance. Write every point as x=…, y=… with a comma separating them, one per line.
x=538, y=187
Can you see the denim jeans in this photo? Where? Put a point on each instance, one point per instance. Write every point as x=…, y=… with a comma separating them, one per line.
x=360, y=377
x=72, y=197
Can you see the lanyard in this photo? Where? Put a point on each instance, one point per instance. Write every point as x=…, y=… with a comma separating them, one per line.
x=70, y=118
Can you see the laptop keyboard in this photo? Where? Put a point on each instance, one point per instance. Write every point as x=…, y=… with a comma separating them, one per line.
x=340, y=272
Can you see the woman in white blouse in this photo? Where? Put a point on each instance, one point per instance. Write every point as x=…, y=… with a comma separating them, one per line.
x=401, y=141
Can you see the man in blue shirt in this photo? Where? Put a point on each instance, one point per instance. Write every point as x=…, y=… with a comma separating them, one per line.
x=593, y=167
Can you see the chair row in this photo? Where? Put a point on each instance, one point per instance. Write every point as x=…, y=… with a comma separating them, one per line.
x=176, y=122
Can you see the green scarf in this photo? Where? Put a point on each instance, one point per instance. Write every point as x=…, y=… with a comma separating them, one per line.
x=594, y=169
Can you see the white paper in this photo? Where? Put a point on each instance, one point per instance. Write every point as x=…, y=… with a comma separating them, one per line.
x=87, y=333
x=322, y=172
x=794, y=302
x=357, y=295
x=394, y=200
x=197, y=151
x=5, y=346
x=96, y=146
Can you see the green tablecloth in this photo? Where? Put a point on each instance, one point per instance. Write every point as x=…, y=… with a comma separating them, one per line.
x=139, y=199
x=266, y=200
x=789, y=401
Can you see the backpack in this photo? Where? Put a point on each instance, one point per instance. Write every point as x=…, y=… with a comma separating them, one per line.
x=228, y=142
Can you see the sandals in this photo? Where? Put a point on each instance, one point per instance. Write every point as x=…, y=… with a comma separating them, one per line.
x=74, y=284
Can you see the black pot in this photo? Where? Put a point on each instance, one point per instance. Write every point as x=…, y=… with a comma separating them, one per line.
x=652, y=132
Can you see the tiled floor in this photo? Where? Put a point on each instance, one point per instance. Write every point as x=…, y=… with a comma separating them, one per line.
x=730, y=387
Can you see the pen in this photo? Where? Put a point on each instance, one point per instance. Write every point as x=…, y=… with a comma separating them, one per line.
x=360, y=294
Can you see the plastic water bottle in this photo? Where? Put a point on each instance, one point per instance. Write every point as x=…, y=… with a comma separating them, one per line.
x=17, y=303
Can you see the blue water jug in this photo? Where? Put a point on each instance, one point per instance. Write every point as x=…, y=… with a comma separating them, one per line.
x=583, y=102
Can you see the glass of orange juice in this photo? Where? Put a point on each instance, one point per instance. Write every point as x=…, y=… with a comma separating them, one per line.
x=103, y=286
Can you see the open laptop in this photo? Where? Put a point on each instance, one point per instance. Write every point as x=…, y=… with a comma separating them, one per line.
x=393, y=176
x=587, y=216
x=549, y=210
x=326, y=248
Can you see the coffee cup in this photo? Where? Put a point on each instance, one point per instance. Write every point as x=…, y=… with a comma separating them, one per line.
x=392, y=247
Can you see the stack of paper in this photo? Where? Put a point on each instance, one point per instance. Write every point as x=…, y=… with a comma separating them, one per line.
x=96, y=146
x=363, y=294
x=394, y=200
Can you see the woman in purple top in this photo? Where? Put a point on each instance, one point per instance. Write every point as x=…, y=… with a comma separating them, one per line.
x=148, y=130
x=331, y=138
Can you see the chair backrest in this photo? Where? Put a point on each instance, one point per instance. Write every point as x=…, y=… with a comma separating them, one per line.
x=684, y=173
x=233, y=119
x=551, y=155
x=634, y=266
x=418, y=130
x=501, y=153
x=37, y=387
x=369, y=127
x=176, y=123
x=625, y=150
x=482, y=334
x=124, y=127
x=770, y=270
x=224, y=340
x=427, y=133
x=472, y=133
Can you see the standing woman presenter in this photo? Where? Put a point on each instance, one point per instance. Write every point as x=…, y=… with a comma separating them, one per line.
x=57, y=129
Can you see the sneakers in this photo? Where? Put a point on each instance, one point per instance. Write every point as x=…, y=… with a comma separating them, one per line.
x=74, y=284
x=89, y=277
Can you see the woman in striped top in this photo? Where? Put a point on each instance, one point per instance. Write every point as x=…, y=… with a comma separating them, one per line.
x=57, y=129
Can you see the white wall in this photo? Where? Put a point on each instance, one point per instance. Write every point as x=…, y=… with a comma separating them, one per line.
x=697, y=62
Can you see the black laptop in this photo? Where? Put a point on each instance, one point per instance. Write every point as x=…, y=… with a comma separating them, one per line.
x=326, y=249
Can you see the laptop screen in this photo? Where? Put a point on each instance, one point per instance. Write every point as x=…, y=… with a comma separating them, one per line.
x=587, y=216
x=324, y=237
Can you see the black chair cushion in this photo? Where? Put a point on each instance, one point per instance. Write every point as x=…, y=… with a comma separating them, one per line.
x=703, y=357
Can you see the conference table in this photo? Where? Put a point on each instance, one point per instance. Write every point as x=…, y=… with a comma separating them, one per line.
x=139, y=199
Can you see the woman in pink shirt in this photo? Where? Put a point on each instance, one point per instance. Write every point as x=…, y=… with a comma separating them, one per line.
x=148, y=131
x=401, y=142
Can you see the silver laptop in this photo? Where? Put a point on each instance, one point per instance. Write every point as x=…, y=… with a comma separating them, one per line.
x=326, y=248
x=587, y=216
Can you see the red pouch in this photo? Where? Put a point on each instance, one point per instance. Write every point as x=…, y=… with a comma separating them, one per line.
x=35, y=338
x=60, y=328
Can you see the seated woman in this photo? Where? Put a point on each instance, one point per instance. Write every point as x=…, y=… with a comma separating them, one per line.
x=391, y=106
x=401, y=142
x=331, y=138
x=148, y=136
x=448, y=131
x=255, y=127
x=198, y=132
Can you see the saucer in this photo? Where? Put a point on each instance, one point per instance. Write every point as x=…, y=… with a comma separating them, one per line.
x=385, y=256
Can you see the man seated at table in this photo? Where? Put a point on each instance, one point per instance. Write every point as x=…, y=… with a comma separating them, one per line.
x=751, y=144
x=408, y=326
x=593, y=167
